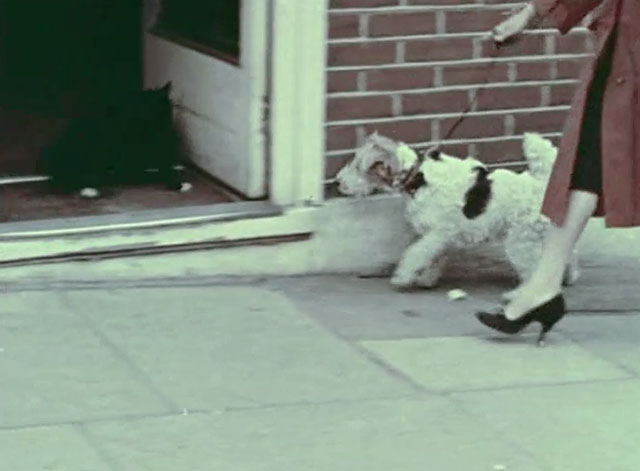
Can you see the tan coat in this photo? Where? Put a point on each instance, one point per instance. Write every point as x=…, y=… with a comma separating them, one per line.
x=620, y=204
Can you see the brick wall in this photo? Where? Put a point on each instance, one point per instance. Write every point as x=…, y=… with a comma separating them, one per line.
x=407, y=68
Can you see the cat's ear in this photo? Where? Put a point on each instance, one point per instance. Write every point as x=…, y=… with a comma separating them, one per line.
x=167, y=88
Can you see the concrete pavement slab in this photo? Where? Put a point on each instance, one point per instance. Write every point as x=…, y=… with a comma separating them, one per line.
x=370, y=309
x=220, y=347
x=609, y=284
x=467, y=363
x=405, y=435
x=614, y=337
x=582, y=427
x=55, y=369
x=60, y=448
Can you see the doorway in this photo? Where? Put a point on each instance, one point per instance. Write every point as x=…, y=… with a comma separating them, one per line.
x=59, y=58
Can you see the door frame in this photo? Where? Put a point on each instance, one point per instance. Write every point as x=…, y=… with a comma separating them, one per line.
x=221, y=104
x=284, y=50
x=297, y=97
x=294, y=125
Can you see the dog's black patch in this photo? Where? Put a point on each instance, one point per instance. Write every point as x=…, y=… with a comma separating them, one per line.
x=435, y=155
x=478, y=196
x=414, y=183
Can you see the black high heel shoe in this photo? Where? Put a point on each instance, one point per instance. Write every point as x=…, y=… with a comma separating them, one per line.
x=547, y=314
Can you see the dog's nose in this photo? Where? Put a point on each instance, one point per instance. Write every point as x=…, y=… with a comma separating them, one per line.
x=332, y=187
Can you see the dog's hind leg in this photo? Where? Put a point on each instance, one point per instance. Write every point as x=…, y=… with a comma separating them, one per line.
x=420, y=261
x=430, y=276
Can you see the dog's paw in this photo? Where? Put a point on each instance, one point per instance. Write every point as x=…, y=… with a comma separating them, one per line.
x=384, y=271
x=402, y=283
x=428, y=280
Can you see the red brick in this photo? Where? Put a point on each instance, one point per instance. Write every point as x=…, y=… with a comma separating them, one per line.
x=362, y=3
x=342, y=81
x=334, y=163
x=399, y=78
x=340, y=137
x=570, y=68
x=474, y=126
x=435, y=102
x=533, y=71
x=511, y=97
x=402, y=24
x=468, y=21
x=562, y=94
x=575, y=43
x=409, y=131
x=555, y=140
x=344, y=26
x=362, y=54
x=501, y=151
x=475, y=74
x=457, y=150
x=441, y=2
x=358, y=107
x=439, y=49
x=543, y=122
x=530, y=45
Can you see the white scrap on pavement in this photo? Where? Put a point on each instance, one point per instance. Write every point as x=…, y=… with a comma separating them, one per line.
x=456, y=294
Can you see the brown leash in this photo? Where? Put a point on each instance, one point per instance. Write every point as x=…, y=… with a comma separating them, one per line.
x=405, y=181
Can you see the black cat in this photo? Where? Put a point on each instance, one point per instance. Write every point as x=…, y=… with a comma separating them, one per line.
x=129, y=140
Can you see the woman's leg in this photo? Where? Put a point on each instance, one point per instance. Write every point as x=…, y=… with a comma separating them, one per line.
x=546, y=280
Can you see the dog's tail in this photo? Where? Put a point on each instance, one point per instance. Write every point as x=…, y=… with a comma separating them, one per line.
x=540, y=154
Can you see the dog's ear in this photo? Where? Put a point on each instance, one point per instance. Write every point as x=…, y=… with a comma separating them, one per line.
x=478, y=195
x=414, y=183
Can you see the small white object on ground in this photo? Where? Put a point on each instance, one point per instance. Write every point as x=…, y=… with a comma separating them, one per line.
x=499, y=467
x=185, y=412
x=186, y=186
x=89, y=193
x=456, y=294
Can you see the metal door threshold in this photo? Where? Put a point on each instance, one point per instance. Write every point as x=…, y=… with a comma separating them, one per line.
x=136, y=251
x=137, y=220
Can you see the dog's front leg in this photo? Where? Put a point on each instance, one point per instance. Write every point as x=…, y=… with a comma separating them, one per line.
x=419, y=260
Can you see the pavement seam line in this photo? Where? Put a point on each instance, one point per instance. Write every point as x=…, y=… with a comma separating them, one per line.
x=363, y=352
x=104, y=456
x=138, y=373
x=499, y=433
x=211, y=412
x=596, y=354
x=513, y=387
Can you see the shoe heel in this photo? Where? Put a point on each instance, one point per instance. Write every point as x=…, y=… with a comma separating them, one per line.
x=543, y=332
x=547, y=325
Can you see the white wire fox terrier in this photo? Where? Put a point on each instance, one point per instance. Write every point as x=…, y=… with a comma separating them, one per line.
x=454, y=203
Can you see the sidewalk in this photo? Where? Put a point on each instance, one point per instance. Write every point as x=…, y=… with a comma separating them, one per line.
x=324, y=373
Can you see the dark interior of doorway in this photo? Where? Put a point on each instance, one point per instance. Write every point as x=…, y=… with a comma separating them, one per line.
x=57, y=60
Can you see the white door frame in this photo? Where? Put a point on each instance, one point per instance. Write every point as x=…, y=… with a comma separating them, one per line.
x=298, y=78
x=222, y=105
x=284, y=49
